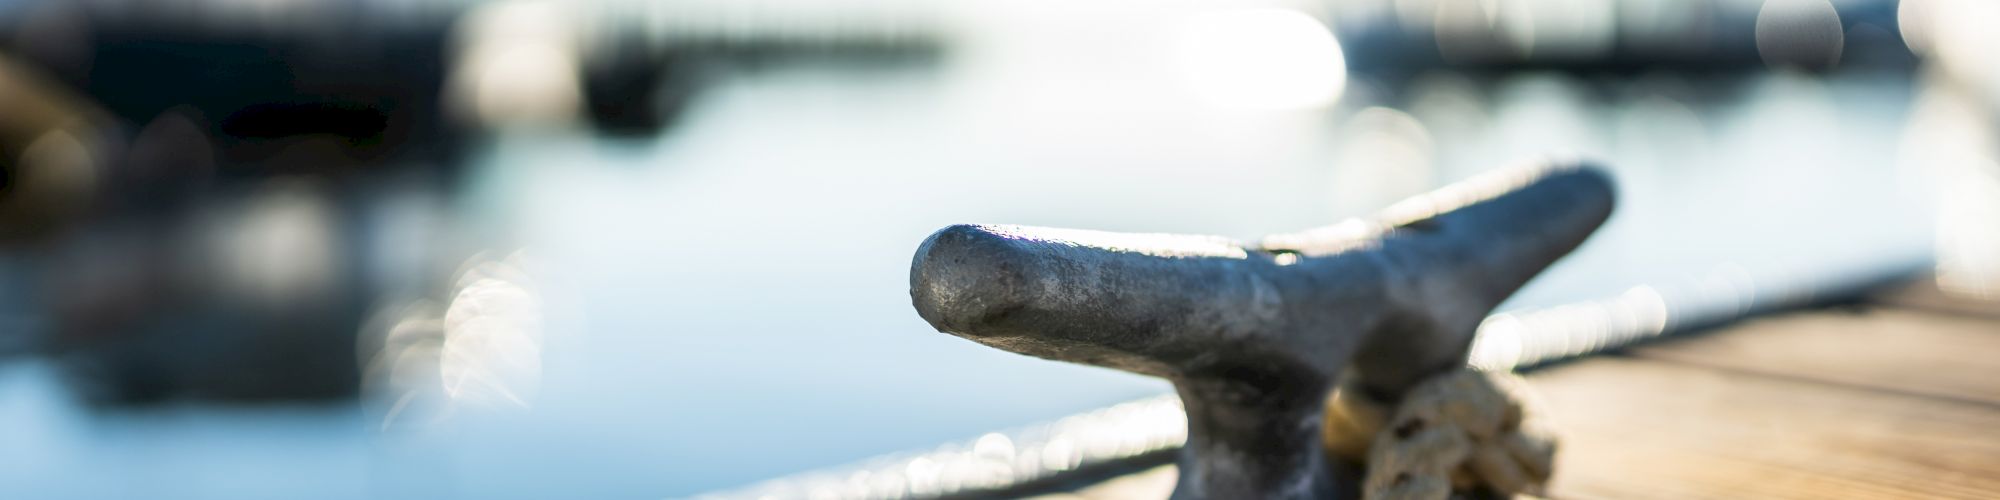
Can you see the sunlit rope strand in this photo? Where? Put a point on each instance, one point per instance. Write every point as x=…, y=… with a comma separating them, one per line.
x=1461, y=431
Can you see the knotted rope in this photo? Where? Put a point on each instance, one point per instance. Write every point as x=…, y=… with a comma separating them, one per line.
x=1464, y=430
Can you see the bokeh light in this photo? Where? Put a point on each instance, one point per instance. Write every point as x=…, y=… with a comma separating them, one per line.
x=1799, y=33
x=1261, y=59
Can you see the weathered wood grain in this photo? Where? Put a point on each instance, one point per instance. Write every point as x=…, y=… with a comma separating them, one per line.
x=1649, y=429
x=1901, y=350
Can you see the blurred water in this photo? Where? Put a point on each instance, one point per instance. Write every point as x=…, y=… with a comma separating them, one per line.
x=729, y=303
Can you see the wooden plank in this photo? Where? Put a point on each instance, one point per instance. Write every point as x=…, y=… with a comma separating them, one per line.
x=1924, y=294
x=1648, y=429
x=1917, y=352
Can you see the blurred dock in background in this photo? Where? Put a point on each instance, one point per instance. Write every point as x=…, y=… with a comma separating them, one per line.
x=544, y=249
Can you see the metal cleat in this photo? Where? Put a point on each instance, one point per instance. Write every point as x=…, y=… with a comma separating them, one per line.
x=1254, y=337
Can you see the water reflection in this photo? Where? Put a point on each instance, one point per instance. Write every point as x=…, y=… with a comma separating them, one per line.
x=478, y=350
x=1510, y=340
x=492, y=349
x=402, y=376
x=1261, y=59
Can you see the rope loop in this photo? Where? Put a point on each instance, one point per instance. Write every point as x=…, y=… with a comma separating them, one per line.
x=1466, y=430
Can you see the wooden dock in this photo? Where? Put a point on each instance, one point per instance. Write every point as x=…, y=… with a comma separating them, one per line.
x=1894, y=397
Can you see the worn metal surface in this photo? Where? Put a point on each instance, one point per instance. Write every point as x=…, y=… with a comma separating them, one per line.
x=1254, y=336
